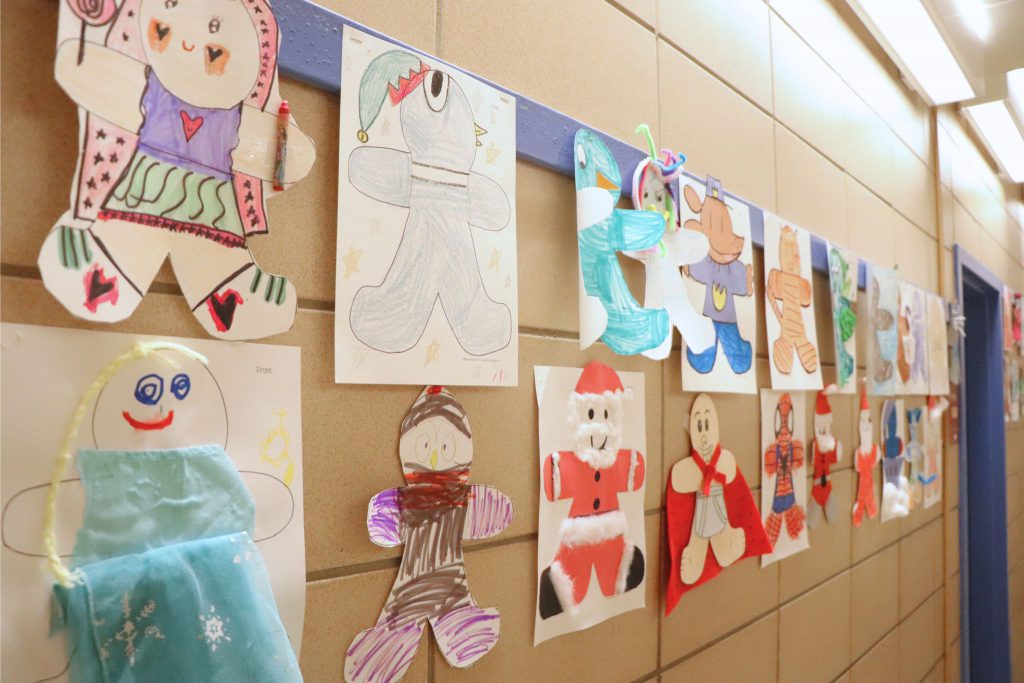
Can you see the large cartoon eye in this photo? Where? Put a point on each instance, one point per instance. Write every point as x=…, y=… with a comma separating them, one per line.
x=149, y=389
x=581, y=156
x=448, y=448
x=214, y=25
x=700, y=426
x=590, y=414
x=423, y=448
x=606, y=413
x=778, y=421
x=789, y=421
x=180, y=386
x=170, y=4
x=435, y=88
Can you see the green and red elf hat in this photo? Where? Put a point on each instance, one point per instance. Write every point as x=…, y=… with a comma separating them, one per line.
x=392, y=75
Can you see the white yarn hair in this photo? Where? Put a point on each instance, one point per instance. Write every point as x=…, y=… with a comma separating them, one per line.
x=583, y=430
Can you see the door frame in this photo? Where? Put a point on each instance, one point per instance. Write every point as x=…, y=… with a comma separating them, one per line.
x=980, y=292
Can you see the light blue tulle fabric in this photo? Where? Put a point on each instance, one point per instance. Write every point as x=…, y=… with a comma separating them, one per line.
x=172, y=586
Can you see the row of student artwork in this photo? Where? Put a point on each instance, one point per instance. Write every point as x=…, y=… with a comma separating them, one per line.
x=177, y=160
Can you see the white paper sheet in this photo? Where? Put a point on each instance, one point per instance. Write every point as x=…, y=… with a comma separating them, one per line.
x=426, y=285
x=249, y=401
x=789, y=306
x=842, y=265
x=726, y=224
x=557, y=386
x=938, y=346
x=785, y=452
x=933, y=455
x=912, y=361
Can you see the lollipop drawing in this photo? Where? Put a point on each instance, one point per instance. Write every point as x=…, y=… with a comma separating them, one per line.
x=91, y=13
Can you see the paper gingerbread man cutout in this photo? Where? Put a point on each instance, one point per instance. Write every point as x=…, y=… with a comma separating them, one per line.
x=436, y=261
x=655, y=183
x=178, y=108
x=431, y=515
x=724, y=277
x=786, y=285
x=712, y=520
x=827, y=451
x=784, y=459
x=594, y=536
x=607, y=308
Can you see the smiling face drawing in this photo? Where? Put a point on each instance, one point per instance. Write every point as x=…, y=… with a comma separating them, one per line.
x=206, y=52
x=149, y=404
x=596, y=424
x=704, y=426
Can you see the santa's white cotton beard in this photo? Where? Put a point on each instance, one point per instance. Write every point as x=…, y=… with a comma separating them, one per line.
x=826, y=443
x=598, y=439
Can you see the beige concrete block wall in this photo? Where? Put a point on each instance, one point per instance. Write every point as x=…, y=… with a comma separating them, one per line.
x=793, y=105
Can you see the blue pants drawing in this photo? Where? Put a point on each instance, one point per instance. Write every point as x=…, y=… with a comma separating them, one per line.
x=737, y=350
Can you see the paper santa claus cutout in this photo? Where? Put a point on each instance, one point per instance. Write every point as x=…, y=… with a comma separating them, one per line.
x=826, y=451
x=865, y=460
x=594, y=539
x=711, y=518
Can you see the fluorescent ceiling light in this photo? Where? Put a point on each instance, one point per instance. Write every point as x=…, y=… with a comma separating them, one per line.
x=909, y=35
x=975, y=16
x=1001, y=136
x=1015, y=92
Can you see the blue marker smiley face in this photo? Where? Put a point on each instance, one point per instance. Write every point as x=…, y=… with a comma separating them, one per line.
x=149, y=391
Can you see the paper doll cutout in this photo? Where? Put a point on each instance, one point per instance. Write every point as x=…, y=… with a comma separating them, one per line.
x=133, y=413
x=724, y=279
x=938, y=345
x=593, y=537
x=842, y=274
x=912, y=354
x=607, y=308
x=883, y=340
x=826, y=451
x=436, y=262
x=784, y=474
x=895, y=486
x=865, y=460
x=711, y=520
x=431, y=515
x=931, y=475
x=177, y=151
x=788, y=295
x=915, y=456
x=655, y=183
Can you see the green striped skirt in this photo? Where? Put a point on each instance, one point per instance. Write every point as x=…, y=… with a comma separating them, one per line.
x=156, y=193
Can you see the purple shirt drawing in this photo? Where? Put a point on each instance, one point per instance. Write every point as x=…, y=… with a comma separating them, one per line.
x=178, y=133
x=723, y=282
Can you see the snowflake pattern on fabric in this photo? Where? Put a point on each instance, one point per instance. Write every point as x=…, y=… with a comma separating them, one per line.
x=131, y=628
x=214, y=628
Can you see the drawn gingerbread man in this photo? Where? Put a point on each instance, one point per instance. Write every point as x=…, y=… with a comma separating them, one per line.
x=431, y=515
x=436, y=261
x=783, y=459
x=785, y=284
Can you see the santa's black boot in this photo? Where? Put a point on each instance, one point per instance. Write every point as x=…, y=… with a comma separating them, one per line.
x=548, y=602
x=636, y=570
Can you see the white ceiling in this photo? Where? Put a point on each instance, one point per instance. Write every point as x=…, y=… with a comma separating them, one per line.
x=984, y=61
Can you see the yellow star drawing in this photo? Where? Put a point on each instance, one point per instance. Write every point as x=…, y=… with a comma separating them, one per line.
x=495, y=258
x=432, y=352
x=351, y=261
x=492, y=153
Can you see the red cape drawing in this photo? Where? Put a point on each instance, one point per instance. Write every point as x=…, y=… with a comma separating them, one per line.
x=742, y=512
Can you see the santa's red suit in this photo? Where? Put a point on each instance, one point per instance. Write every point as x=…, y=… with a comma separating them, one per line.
x=593, y=536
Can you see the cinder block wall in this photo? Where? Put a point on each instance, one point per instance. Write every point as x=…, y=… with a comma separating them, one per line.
x=792, y=104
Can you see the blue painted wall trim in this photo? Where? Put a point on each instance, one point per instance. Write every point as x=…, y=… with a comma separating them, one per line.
x=984, y=594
